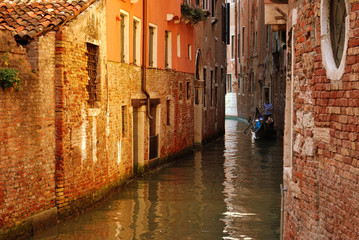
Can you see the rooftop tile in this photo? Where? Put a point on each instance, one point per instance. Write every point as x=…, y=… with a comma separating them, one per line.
x=28, y=18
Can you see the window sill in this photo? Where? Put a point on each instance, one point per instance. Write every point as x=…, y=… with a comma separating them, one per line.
x=94, y=112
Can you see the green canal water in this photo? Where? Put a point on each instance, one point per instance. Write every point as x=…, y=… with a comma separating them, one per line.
x=228, y=190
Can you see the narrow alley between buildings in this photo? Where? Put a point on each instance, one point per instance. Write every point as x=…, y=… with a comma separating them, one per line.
x=227, y=190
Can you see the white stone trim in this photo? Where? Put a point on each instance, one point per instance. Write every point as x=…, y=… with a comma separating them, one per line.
x=127, y=36
x=154, y=44
x=138, y=40
x=333, y=72
x=94, y=112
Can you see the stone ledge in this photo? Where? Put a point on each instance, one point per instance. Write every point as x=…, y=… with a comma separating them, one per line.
x=94, y=112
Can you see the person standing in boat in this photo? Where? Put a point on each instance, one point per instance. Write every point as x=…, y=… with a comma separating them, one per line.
x=268, y=108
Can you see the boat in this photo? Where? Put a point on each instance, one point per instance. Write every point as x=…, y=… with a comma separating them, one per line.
x=261, y=128
x=265, y=131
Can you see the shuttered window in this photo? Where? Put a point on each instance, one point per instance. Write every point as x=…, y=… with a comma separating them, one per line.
x=92, y=56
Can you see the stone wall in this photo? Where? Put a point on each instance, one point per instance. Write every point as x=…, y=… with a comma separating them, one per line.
x=321, y=164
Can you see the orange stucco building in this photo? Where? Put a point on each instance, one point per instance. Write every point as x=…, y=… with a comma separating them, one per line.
x=166, y=18
x=150, y=72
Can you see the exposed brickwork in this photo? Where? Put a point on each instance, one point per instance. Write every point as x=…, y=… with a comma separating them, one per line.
x=322, y=200
x=81, y=156
x=27, y=184
x=58, y=153
x=212, y=54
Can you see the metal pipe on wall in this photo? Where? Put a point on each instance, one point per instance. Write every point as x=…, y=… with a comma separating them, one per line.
x=144, y=50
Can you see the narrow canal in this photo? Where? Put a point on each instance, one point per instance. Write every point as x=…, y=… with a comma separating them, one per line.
x=229, y=190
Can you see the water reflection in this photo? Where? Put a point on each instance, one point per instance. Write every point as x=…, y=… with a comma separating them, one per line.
x=229, y=190
x=253, y=175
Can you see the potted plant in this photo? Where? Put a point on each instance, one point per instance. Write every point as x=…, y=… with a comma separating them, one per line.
x=192, y=13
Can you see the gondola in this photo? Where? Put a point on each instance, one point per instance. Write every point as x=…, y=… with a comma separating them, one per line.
x=266, y=130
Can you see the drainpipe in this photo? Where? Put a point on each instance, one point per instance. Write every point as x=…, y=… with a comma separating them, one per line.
x=144, y=51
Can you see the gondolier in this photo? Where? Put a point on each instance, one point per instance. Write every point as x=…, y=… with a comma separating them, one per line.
x=268, y=108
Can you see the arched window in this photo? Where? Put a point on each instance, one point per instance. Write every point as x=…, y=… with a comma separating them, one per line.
x=337, y=14
x=334, y=36
x=198, y=65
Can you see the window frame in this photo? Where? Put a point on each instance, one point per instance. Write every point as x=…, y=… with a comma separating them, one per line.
x=154, y=45
x=333, y=71
x=137, y=42
x=168, y=49
x=93, y=83
x=125, y=38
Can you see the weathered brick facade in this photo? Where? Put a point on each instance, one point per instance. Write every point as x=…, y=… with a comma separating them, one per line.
x=27, y=140
x=60, y=152
x=256, y=64
x=210, y=72
x=82, y=165
x=321, y=168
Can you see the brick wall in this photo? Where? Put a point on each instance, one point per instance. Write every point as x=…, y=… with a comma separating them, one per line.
x=212, y=53
x=82, y=162
x=27, y=141
x=57, y=151
x=125, y=85
x=322, y=181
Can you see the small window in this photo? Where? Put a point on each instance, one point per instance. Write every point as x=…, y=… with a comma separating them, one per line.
x=124, y=35
x=229, y=83
x=232, y=47
x=250, y=84
x=215, y=74
x=168, y=49
x=215, y=96
x=92, y=62
x=222, y=74
x=205, y=4
x=188, y=90
x=211, y=89
x=152, y=46
x=335, y=25
x=204, y=86
x=337, y=14
x=213, y=8
x=124, y=121
x=239, y=83
x=136, y=40
x=244, y=85
x=243, y=42
x=196, y=97
x=178, y=45
x=189, y=51
x=239, y=45
x=180, y=91
x=197, y=66
x=168, y=107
